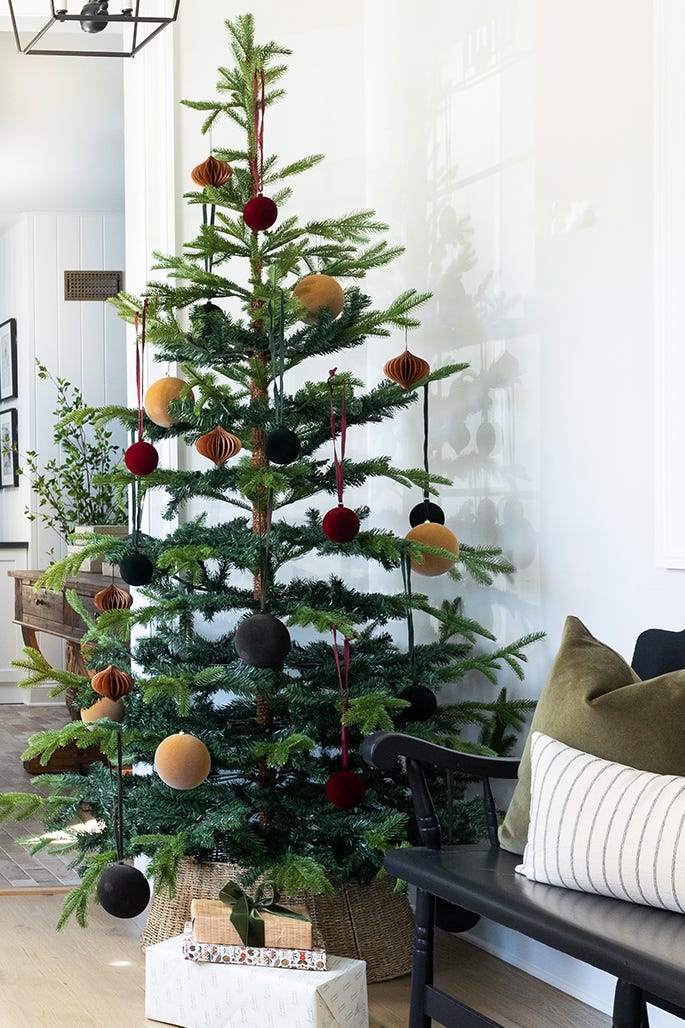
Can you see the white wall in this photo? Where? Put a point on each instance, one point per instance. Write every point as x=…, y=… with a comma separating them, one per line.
x=509, y=144
x=82, y=342
x=61, y=130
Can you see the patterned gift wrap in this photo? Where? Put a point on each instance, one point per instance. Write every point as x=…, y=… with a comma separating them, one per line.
x=253, y=956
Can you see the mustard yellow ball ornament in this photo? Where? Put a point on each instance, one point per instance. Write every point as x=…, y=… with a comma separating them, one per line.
x=160, y=395
x=432, y=534
x=104, y=707
x=182, y=761
x=317, y=291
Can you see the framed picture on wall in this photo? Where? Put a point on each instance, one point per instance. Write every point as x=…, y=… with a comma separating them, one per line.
x=9, y=459
x=8, y=359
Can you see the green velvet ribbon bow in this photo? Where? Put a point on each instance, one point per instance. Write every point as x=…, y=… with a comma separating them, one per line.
x=245, y=913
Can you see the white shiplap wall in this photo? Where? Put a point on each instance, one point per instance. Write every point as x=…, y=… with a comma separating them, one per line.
x=82, y=342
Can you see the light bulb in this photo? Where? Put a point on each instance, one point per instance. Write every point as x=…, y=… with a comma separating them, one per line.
x=92, y=16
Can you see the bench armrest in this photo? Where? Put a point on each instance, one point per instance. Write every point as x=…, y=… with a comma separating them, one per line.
x=383, y=748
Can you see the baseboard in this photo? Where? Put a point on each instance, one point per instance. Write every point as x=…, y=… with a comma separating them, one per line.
x=586, y=984
x=10, y=692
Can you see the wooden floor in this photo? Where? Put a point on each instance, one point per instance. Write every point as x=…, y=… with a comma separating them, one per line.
x=96, y=978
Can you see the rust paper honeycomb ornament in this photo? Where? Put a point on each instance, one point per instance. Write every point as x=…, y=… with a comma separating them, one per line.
x=211, y=172
x=112, y=683
x=407, y=369
x=112, y=598
x=319, y=291
x=218, y=445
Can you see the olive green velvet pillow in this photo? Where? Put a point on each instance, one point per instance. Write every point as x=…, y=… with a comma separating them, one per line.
x=595, y=702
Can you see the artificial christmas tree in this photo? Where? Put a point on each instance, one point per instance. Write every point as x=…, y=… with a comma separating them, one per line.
x=232, y=647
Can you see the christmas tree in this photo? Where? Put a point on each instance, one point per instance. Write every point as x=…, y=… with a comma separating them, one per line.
x=241, y=680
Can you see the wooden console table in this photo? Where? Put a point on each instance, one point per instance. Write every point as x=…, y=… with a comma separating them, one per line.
x=41, y=610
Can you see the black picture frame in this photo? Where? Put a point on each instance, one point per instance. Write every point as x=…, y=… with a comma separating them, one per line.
x=9, y=388
x=9, y=457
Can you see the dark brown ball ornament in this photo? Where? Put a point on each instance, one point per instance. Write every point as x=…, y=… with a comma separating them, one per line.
x=262, y=641
x=136, y=569
x=407, y=369
x=112, y=683
x=282, y=446
x=341, y=524
x=141, y=458
x=211, y=172
x=260, y=213
x=345, y=789
x=112, y=598
x=123, y=891
x=218, y=445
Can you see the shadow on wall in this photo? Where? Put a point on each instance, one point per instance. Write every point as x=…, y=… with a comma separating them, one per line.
x=473, y=160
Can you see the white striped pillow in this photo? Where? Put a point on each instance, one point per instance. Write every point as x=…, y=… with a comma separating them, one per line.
x=602, y=827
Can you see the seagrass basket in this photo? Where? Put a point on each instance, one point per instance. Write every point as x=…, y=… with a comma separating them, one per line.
x=365, y=922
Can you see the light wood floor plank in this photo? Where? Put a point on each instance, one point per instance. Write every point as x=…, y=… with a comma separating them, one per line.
x=96, y=978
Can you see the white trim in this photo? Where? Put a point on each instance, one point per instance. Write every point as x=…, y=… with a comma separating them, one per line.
x=150, y=185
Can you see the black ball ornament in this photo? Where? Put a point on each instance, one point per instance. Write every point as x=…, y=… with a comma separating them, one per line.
x=123, y=890
x=454, y=919
x=345, y=789
x=262, y=641
x=136, y=569
x=423, y=702
x=426, y=511
x=340, y=524
x=282, y=446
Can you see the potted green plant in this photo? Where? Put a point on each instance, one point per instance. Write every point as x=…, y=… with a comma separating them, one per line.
x=74, y=488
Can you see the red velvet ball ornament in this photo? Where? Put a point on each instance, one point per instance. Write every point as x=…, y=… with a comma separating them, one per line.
x=345, y=789
x=260, y=213
x=340, y=525
x=141, y=458
x=123, y=890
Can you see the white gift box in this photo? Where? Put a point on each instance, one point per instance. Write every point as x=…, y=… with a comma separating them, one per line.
x=195, y=994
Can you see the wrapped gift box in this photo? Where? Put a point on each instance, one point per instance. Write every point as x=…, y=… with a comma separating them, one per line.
x=259, y=956
x=211, y=922
x=195, y=994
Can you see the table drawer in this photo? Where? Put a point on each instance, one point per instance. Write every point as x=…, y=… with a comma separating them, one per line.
x=46, y=606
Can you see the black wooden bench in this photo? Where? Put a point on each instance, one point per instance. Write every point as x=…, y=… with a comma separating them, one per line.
x=643, y=947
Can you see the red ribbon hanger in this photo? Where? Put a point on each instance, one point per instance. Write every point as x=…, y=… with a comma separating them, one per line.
x=140, y=355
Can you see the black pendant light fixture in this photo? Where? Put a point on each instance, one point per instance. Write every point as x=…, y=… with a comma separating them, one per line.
x=98, y=28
